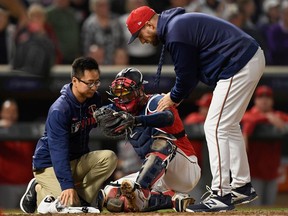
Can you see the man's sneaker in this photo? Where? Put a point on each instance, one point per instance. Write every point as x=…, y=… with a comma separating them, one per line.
x=181, y=201
x=213, y=203
x=45, y=204
x=51, y=205
x=100, y=201
x=244, y=194
x=28, y=202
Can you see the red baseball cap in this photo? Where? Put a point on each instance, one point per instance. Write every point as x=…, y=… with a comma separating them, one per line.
x=205, y=100
x=137, y=19
x=264, y=91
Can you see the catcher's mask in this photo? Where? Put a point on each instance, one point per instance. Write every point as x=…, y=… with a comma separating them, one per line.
x=127, y=89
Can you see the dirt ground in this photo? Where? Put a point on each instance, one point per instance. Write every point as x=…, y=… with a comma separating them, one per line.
x=237, y=212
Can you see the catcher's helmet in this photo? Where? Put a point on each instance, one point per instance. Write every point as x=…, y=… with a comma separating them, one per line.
x=132, y=74
x=127, y=89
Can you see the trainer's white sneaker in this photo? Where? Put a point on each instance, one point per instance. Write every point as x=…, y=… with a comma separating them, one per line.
x=51, y=205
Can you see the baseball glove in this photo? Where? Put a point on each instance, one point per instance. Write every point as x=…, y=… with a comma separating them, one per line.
x=114, y=124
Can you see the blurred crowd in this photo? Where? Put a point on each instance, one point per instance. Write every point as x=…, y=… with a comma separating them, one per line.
x=58, y=31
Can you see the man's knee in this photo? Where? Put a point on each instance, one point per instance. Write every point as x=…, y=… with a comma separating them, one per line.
x=112, y=157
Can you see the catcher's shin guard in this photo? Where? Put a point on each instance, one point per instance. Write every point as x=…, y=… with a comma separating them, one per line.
x=159, y=201
x=169, y=199
x=162, y=152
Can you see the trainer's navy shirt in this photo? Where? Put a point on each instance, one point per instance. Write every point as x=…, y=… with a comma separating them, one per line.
x=203, y=48
x=66, y=135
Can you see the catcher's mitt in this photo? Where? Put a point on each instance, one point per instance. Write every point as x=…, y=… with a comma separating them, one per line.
x=114, y=124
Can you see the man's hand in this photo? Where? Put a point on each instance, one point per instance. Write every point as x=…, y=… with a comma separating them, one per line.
x=275, y=120
x=69, y=197
x=166, y=102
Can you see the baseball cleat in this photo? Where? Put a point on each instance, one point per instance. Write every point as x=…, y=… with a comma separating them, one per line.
x=244, y=194
x=28, y=202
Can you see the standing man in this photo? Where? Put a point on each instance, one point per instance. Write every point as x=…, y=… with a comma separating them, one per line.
x=63, y=165
x=211, y=50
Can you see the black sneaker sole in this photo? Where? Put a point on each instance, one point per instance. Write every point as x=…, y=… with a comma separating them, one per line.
x=246, y=200
x=224, y=209
x=23, y=197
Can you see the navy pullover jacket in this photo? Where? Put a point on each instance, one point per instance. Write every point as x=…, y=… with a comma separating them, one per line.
x=203, y=48
x=66, y=135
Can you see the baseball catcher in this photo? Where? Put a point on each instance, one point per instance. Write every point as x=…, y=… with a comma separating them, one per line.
x=160, y=141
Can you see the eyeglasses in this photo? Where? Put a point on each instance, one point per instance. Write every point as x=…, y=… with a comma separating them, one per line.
x=97, y=83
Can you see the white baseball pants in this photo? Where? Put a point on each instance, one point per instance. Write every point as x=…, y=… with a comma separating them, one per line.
x=225, y=142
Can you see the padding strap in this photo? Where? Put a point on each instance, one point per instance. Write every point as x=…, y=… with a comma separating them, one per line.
x=180, y=134
x=159, y=201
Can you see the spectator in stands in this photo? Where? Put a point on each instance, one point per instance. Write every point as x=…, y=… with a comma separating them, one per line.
x=247, y=8
x=264, y=155
x=271, y=13
x=33, y=42
x=97, y=53
x=200, y=146
x=17, y=9
x=9, y=113
x=212, y=7
x=277, y=38
x=38, y=20
x=102, y=29
x=15, y=159
x=179, y=3
x=121, y=57
x=7, y=34
x=270, y=16
x=235, y=14
x=81, y=8
x=62, y=17
x=194, y=6
x=138, y=54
